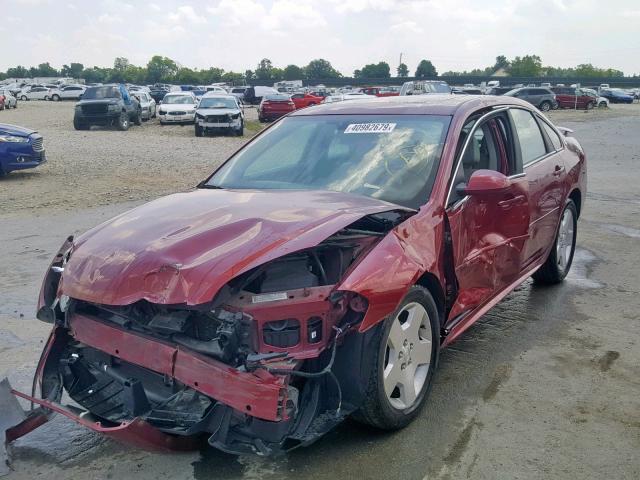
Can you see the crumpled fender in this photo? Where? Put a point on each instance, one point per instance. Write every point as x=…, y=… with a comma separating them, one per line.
x=396, y=263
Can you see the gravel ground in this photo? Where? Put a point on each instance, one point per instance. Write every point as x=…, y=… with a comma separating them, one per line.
x=544, y=386
x=106, y=166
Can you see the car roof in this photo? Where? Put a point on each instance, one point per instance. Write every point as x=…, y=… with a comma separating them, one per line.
x=180, y=93
x=432, y=104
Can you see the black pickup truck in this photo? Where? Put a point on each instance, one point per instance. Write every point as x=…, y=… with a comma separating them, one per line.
x=107, y=105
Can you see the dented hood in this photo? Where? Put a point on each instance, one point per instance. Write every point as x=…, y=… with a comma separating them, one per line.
x=183, y=248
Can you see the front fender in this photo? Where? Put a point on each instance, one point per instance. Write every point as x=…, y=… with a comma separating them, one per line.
x=395, y=264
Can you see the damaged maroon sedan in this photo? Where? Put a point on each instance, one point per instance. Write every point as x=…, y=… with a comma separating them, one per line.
x=314, y=276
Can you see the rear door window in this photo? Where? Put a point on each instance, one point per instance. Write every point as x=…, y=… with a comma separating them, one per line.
x=530, y=138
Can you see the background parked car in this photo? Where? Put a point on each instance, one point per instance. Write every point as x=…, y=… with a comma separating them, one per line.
x=68, y=92
x=20, y=148
x=342, y=97
x=302, y=100
x=274, y=106
x=2, y=104
x=498, y=90
x=424, y=87
x=601, y=102
x=107, y=105
x=543, y=98
x=615, y=95
x=219, y=112
x=9, y=100
x=147, y=105
x=571, y=97
x=381, y=91
x=36, y=93
x=254, y=95
x=158, y=94
x=177, y=107
x=238, y=92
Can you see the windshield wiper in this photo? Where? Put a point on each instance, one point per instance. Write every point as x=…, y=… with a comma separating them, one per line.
x=209, y=186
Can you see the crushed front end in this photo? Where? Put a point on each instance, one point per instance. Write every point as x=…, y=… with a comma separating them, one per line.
x=271, y=363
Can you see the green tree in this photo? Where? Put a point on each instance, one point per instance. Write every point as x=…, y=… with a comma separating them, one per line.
x=95, y=74
x=46, y=70
x=321, y=69
x=248, y=75
x=426, y=69
x=17, y=72
x=161, y=69
x=402, y=70
x=374, y=70
x=293, y=72
x=501, y=62
x=527, y=66
x=232, y=77
x=264, y=71
x=210, y=75
x=74, y=70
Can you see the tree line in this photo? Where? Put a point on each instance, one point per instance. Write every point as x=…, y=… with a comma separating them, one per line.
x=165, y=70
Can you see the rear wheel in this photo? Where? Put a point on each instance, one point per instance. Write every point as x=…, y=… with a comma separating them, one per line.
x=123, y=121
x=138, y=118
x=55, y=98
x=24, y=98
x=602, y=104
x=545, y=106
x=403, y=360
x=558, y=263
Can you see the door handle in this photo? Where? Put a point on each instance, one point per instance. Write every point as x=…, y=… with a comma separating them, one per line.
x=558, y=170
x=511, y=201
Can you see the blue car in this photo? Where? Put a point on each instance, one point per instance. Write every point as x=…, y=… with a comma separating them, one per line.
x=616, y=96
x=20, y=148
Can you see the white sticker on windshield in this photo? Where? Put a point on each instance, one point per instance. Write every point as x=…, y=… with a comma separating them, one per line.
x=370, y=128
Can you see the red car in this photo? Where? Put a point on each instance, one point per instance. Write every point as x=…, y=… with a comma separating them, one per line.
x=381, y=91
x=315, y=275
x=275, y=106
x=571, y=97
x=302, y=100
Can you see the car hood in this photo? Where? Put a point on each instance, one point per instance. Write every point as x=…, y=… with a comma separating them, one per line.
x=173, y=107
x=218, y=111
x=8, y=129
x=183, y=248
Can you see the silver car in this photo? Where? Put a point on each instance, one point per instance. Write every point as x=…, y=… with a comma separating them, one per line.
x=217, y=112
x=147, y=103
x=9, y=100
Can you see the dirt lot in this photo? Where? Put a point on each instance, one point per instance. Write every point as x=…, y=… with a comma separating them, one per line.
x=545, y=386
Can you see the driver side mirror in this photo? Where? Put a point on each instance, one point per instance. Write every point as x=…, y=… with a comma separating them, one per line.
x=483, y=183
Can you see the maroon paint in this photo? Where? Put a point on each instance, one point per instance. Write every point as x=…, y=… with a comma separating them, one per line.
x=258, y=394
x=135, y=432
x=155, y=252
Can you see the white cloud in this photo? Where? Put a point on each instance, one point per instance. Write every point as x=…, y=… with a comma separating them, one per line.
x=408, y=26
x=186, y=14
x=346, y=6
x=108, y=19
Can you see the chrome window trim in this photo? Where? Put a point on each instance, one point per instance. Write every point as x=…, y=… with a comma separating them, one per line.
x=539, y=159
x=464, y=149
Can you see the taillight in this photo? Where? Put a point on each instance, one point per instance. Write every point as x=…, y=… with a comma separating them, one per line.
x=291, y=104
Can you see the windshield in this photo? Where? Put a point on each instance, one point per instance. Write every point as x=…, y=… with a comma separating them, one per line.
x=389, y=157
x=217, y=102
x=96, y=93
x=277, y=98
x=178, y=99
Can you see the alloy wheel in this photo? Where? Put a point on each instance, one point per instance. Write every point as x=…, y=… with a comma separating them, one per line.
x=564, y=244
x=408, y=356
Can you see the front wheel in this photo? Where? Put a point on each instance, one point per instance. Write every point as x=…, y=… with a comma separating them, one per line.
x=138, y=118
x=199, y=131
x=602, y=104
x=558, y=263
x=403, y=359
x=123, y=121
x=590, y=106
x=545, y=106
x=240, y=130
x=55, y=98
x=24, y=98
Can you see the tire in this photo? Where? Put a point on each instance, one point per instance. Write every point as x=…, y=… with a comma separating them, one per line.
x=138, y=119
x=558, y=263
x=154, y=114
x=240, y=131
x=590, y=106
x=545, y=106
x=24, y=98
x=2, y=107
x=602, y=105
x=199, y=131
x=55, y=98
x=79, y=126
x=123, y=122
x=390, y=407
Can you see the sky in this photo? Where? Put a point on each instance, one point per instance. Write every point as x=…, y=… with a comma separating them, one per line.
x=236, y=34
